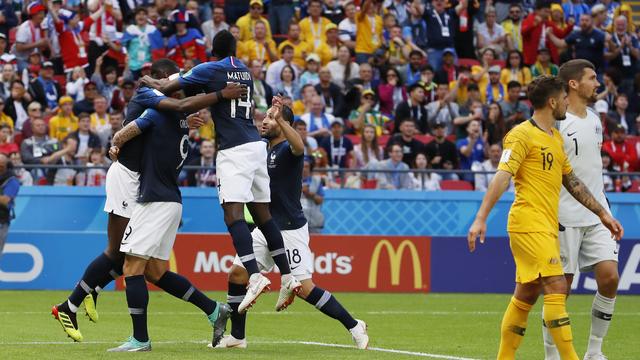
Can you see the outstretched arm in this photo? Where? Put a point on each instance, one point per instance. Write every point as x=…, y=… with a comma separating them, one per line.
x=580, y=192
x=497, y=187
x=202, y=101
x=294, y=139
x=165, y=86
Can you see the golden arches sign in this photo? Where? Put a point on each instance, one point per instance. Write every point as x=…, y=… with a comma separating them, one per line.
x=395, y=262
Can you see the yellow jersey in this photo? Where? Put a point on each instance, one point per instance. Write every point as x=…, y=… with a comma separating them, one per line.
x=300, y=52
x=537, y=162
x=462, y=94
x=98, y=123
x=313, y=33
x=246, y=24
x=60, y=126
x=484, y=80
x=327, y=53
x=523, y=76
x=368, y=33
x=207, y=131
x=252, y=50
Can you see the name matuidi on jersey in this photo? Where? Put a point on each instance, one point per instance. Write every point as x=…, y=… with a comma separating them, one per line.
x=238, y=75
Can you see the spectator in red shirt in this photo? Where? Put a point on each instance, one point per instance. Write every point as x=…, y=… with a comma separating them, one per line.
x=187, y=43
x=70, y=28
x=7, y=146
x=623, y=152
x=534, y=36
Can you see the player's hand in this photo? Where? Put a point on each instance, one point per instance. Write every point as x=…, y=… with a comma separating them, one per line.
x=195, y=121
x=114, y=151
x=617, y=232
x=478, y=228
x=151, y=82
x=234, y=91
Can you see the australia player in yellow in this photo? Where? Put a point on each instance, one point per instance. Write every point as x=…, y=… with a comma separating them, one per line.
x=534, y=156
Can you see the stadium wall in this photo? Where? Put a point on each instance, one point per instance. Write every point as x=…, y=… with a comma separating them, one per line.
x=384, y=241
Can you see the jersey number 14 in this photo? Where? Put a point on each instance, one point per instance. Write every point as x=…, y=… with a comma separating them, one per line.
x=238, y=103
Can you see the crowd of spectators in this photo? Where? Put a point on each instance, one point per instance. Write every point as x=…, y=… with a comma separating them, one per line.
x=403, y=86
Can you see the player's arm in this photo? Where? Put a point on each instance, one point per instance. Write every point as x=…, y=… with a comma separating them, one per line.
x=165, y=86
x=292, y=136
x=202, y=101
x=580, y=192
x=497, y=187
x=122, y=137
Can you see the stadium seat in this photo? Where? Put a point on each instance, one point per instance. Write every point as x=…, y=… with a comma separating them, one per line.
x=468, y=62
x=501, y=63
x=355, y=139
x=369, y=184
x=383, y=140
x=455, y=185
x=425, y=139
x=635, y=187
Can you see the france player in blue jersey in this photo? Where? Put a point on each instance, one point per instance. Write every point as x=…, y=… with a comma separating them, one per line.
x=240, y=165
x=122, y=189
x=285, y=163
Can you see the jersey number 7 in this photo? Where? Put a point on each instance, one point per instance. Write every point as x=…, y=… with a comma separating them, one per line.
x=237, y=103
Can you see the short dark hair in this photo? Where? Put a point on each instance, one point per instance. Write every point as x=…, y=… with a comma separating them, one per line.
x=163, y=68
x=287, y=46
x=140, y=9
x=517, y=5
x=574, y=69
x=316, y=1
x=416, y=52
x=426, y=67
x=299, y=122
x=83, y=115
x=542, y=4
x=544, y=87
x=287, y=114
x=116, y=112
x=223, y=45
x=408, y=119
x=513, y=84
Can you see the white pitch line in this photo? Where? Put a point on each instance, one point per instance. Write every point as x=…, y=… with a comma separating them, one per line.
x=307, y=313
x=310, y=343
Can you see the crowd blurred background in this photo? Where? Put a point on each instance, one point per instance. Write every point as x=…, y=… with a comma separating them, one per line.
x=398, y=94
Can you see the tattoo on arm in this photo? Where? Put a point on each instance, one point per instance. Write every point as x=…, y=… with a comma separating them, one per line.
x=580, y=192
x=125, y=134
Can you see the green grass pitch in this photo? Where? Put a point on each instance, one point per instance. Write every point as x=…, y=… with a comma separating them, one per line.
x=437, y=326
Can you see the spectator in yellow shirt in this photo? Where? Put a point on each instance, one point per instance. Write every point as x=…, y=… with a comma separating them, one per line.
x=100, y=118
x=328, y=50
x=494, y=91
x=515, y=70
x=368, y=33
x=4, y=118
x=247, y=23
x=260, y=48
x=64, y=122
x=314, y=26
x=300, y=48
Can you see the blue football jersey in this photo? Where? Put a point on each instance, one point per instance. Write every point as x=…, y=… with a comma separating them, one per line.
x=285, y=173
x=233, y=118
x=131, y=153
x=165, y=138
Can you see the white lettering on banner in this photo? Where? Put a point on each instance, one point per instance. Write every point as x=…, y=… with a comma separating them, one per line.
x=630, y=274
x=212, y=263
x=589, y=283
x=33, y=273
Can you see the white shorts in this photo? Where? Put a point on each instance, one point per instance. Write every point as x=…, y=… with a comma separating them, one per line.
x=242, y=174
x=121, y=188
x=152, y=230
x=581, y=248
x=296, y=244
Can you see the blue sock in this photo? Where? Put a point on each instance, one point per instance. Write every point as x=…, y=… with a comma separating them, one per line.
x=325, y=302
x=180, y=287
x=90, y=279
x=235, y=295
x=275, y=243
x=114, y=273
x=243, y=242
x=138, y=300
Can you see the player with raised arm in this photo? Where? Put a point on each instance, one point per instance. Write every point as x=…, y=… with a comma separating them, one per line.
x=241, y=166
x=151, y=232
x=534, y=156
x=122, y=185
x=585, y=243
x=285, y=162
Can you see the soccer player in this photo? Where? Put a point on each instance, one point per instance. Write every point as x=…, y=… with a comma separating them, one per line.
x=151, y=232
x=241, y=166
x=285, y=162
x=121, y=192
x=533, y=154
x=585, y=244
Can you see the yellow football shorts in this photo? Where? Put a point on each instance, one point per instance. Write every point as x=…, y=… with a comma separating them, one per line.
x=536, y=255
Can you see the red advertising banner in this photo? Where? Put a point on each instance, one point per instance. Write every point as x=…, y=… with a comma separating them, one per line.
x=341, y=263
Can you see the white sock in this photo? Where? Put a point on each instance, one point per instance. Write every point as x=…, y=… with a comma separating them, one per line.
x=601, y=313
x=73, y=308
x=550, y=349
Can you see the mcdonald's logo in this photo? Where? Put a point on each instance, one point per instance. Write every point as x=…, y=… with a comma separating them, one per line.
x=395, y=261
